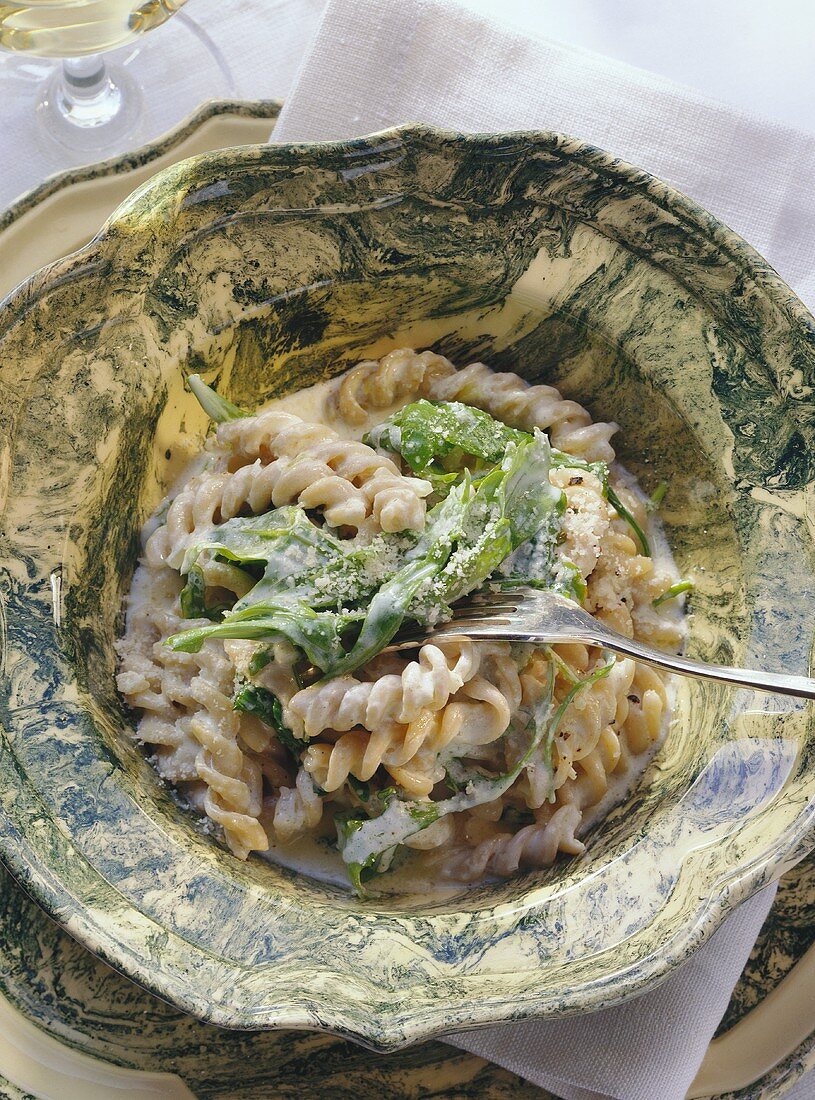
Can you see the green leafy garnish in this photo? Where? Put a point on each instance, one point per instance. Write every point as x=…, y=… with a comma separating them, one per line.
x=192, y=598
x=621, y=510
x=672, y=592
x=657, y=496
x=265, y=705
x=427, y=431
x=323, y=593
x=262, y=656
x=216, y=407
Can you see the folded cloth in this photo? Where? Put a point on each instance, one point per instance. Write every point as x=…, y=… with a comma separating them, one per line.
x=647, y=1049
x=377, y=63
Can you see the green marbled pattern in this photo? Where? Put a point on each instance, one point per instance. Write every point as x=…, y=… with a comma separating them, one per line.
x=79, y=1000
x=83, y=1003
x=9, y=1091
x=269, y=268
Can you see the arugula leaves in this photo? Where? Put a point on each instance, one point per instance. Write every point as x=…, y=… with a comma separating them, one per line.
x=307, y=576
x=192, y=598
x=425, y=431
x=341, y=601
x=671, y=593
x=322, y=592
x=621, y=510
x=265, y=705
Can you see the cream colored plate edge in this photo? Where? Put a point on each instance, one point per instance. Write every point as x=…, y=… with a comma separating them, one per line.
x=58, y=224
x=67, y=219
x=44, y=1067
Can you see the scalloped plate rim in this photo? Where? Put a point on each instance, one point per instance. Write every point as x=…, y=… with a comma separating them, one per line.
x=723, y=892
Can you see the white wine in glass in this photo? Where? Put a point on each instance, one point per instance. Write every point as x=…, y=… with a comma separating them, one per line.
x=90, y=106
x=73, y=28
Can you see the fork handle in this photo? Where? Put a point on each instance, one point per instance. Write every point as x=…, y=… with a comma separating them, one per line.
x=776, y=682
x=597, y=635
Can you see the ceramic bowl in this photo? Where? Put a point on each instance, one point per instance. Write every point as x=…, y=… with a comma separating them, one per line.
x=267, y=269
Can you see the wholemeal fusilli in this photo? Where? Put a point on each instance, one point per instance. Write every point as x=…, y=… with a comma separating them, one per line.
x=482, y=758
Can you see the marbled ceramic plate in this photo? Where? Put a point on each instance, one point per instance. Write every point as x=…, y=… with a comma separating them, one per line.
x=63, y=213
x=273, y=267
x=51, y=980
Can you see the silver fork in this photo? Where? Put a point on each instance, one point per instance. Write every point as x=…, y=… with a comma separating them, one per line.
x=531, y=615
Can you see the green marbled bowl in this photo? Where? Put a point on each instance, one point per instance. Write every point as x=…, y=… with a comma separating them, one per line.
x=268, y=268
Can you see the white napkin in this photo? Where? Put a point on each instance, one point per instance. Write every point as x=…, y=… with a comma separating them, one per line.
x=375, y=63
x=647, y=1049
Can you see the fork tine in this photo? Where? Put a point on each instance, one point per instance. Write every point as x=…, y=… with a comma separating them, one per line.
x=482, y=611
x=518, y=594
x=476, y=628
x=480, y=633
x=480, y=615
x=490, y=604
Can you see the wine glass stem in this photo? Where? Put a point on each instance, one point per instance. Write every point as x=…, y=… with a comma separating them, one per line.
x=87, y=95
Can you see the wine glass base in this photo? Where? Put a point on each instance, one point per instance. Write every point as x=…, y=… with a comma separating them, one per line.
x=88, y=126
x=155, y=83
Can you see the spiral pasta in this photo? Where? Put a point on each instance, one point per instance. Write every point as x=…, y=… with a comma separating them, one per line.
x=265, y=757
x=404, y=373
x=186, y=700
x=348, y=481
x=345, y=478
x=401, y=722
x=392, y=699
x=503, y=853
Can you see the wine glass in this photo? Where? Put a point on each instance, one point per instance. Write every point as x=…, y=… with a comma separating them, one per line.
x=108, y=91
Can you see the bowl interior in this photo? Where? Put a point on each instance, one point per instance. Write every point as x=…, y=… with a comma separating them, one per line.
x=267, y=270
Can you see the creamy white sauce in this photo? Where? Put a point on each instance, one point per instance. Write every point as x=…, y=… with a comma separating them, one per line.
x=315, y=858
x=312, y=405
x=411, y=875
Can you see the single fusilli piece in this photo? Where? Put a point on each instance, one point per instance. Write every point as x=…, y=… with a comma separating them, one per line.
x=586, y=520
x=624, y=583
x=298, y=809
x=390, y=700
x=403, y=374
x=595, y=709
x=504, y=853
